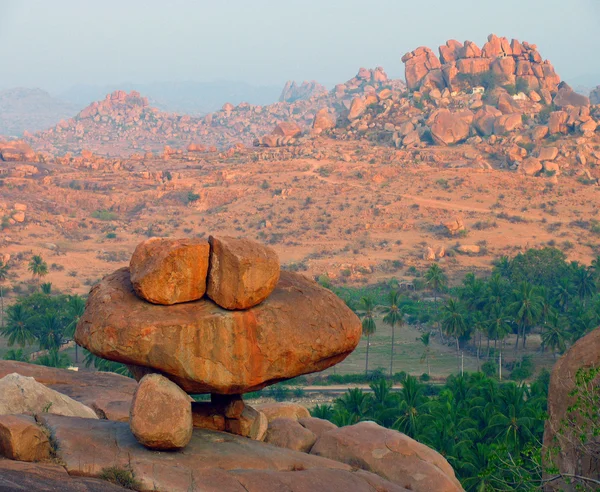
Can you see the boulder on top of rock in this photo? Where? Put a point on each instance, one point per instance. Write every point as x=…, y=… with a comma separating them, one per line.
x=170, y=271
x=300, y=328
x=568, y=97
x=22, y=439
x=390, y=454
x=161, y=414
x=317, y=426
x=287, y=129
x=21, y=394
x=242, y=272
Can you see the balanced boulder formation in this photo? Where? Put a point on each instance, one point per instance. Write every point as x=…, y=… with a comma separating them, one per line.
x=254, y=327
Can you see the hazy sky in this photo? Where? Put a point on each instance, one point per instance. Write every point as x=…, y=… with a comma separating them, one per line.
x=55, y=44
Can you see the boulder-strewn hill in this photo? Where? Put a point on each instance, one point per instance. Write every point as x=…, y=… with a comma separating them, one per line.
x=31, y=110
x=125, y=123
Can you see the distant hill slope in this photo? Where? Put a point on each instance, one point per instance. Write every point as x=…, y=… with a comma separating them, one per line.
x=32, y=110
x=188, y=97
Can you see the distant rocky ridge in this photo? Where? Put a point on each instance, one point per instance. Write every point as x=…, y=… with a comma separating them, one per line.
x=509, y=61
x=31, y=110
x=293, y=92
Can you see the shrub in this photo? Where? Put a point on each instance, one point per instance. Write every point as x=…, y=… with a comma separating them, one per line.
x=120, y=476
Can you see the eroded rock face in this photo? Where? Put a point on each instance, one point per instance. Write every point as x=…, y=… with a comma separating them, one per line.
x=242, y=272
x=170, y=271
x=161, y=414
x=390, y=454
x=289, y=434
x=300, y=328
x=565, y=455
x=448, y=128
x=212, y=461
x=24, y=395
x=22, y=439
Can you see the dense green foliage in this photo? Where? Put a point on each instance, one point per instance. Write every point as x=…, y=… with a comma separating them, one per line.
x=490, y=432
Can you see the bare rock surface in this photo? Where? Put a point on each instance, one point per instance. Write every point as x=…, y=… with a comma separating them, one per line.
x=170, y=271
x=288, y=410
x=212, y=461
x=243, y=273
x=300, y=328
x=108, y=394
x=22, y=439
x=390, y=454
x=289, y=434
x=24, y=395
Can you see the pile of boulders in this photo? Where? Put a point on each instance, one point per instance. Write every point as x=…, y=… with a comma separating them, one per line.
x=191, y=316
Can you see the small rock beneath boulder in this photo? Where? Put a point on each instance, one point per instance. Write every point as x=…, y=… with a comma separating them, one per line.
x=251, y=423
x=289, y=434
x=242, y=272
x=161, y=414
x=170, y=271
x=22, y=439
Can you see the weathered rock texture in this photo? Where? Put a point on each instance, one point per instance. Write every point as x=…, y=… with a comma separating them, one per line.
x=289, y=434
x=170, y=271
x=161, y=414
x=212, y=462
x=390, y=454
x=108, y=394
x=242, y=272
x=300, y=328
x=508, y=61
x=22, y=439
x=566, y=454
x=21, y=394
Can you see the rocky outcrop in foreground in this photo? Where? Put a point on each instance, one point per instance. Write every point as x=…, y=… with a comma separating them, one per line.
x=565, y=427
x=254, y=327
x=301, y=453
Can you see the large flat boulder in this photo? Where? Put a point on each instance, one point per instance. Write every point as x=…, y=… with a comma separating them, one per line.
x=390, y=454
x=300, y=328
x=23, y=395
x=108, y=394
x=212, y=461
x=20, y=476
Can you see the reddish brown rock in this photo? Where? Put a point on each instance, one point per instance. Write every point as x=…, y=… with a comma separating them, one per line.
x=560, y=441
x=418, y=64
x=170, y=271
x=324, y=120
x=357, y=108
x=390, y=454
x=473, y=65
x=530, y=166
x=211, y=462
x=206, y=415
x=557, y=122
x=317, y=426
x=548, y=153
x=450, y=51
x=250, y=423
x=447, y=128
x=22, y=439
x=301, y=328
x=484, y=120
x=161, y=414
x=289, y=434
x=507, y=123
x=507, y=105
x=286, y=410
x=454, y=226
x=16, y=150
x=242, y=272
x=287, y=129
x=568, y=97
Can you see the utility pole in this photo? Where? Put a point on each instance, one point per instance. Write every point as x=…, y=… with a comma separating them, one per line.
x=500, y=366
x=462, y=363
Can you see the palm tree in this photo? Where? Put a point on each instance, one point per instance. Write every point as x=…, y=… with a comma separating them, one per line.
x=50, y=331
x=75, y=310
x=504, y=266
x=38, y=267
x=526, y=308
x=393, y=315
x=498, y=326
x=436, y=279
x=46, y=288
x=3, y=277
x=18, y=326
x=18, y=355
x=424, y=339
x=412, y=406
x=54, y=358
x=453, y=322
x=554, y=335
x=355, y=402
x=367, y=313
x=584, y=282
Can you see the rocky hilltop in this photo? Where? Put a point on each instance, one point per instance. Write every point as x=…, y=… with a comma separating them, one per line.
x=293, y=92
